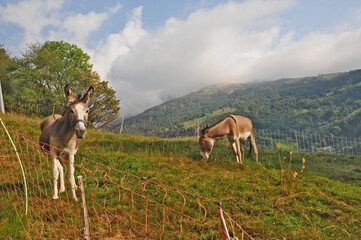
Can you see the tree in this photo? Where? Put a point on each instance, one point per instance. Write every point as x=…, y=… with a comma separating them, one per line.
x=7, y=65
x=5, y=61
x=104, y=107
x=46, y=68
x=50, y=66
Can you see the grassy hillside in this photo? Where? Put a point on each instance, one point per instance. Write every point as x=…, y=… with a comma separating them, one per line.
x=325, y=104
x=268, y=202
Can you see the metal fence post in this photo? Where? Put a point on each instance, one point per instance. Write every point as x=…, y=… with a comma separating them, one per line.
x=2, y=108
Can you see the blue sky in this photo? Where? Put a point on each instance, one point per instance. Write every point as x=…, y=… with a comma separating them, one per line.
x=152, y=51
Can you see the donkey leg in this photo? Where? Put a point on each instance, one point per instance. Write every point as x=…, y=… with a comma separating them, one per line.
x=55, y=177
x=250, y=147
x=71, y=177
x=242, y=150
x=234, y=148
x=252, y=139
x=239, y=151
x=61, y=173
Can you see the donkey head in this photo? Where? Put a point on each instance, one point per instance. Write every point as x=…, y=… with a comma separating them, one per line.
x=206, y=143
x=78, y=110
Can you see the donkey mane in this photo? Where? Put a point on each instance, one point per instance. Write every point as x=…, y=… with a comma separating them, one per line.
x=207, y=127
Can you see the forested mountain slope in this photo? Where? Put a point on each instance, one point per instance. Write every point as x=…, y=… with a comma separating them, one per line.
x=326, y=104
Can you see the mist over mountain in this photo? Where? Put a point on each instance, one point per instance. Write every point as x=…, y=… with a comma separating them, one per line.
x=327, y=104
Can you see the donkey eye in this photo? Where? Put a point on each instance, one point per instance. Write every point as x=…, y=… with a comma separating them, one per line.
x=72, y=111
x=87, y=111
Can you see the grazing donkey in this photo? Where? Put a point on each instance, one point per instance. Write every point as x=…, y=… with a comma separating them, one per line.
x=234, y=128
x=59, y=136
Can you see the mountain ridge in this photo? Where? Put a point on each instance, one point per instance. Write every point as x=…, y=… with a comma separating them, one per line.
x=326, y=104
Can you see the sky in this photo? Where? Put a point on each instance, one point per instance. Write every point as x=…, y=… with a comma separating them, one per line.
x=154, y=51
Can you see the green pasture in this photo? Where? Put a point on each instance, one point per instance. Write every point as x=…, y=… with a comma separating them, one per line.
x=282, y=197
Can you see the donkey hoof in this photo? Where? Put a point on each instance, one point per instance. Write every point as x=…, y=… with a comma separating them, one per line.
x=54, y=197
x=62, y=189
x=75, y=199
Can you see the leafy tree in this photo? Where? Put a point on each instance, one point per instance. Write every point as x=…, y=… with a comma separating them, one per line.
x=50, y=66
x=5, y=61
x=45, y=69
x=104, y=107
x=7, y=65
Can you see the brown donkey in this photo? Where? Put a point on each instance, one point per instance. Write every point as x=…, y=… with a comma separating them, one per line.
x=59, y=136
x=235, y=128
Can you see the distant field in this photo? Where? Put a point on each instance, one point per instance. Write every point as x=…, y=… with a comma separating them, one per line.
x=275, y=199
x=193, y=123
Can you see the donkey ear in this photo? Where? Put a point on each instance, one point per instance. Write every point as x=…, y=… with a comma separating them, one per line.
x=69, y=93
x=205, y=129
x=88, y=94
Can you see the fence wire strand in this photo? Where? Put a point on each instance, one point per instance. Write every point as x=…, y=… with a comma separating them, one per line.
x=307, y=142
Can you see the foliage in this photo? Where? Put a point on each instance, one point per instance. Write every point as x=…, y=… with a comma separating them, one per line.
x=104, y=107
x=39, y=77
x=325, y=104
x=7, y=65
x=5, y=61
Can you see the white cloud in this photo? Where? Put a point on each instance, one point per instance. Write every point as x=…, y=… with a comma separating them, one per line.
x=80, y=25
x=211, y=46
x=233, y=42
x=115, y=9
x=118, y=44
x=77, y=28
x=32, y=16
x=314, y=54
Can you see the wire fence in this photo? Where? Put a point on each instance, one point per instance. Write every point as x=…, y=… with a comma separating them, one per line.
x=265, y=138
x=34, y=109
x=288, y=140
x=121, y=205
x=307, y=142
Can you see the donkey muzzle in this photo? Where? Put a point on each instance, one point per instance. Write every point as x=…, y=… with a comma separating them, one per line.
x=80, y=128
x=204, y=155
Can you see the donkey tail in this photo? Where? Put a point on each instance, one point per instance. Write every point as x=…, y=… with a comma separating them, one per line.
x=42, y=126
x=250, y=145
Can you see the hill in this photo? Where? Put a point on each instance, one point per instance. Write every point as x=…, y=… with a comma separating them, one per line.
x=326, y=104
x=275, y=199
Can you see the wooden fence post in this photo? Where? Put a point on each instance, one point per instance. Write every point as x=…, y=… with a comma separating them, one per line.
x=225, y=234
x=83, y=205
x=298, y=148
x=121, y=125
x=197, y=131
